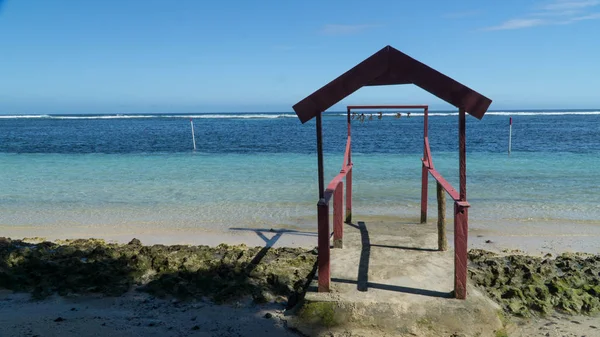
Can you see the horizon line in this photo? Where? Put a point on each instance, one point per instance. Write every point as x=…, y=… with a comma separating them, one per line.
x=276, y=112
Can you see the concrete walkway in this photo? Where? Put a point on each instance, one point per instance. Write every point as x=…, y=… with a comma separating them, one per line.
x=390, y=279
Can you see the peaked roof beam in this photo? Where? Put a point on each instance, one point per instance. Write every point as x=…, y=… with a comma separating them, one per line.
x=390, y=66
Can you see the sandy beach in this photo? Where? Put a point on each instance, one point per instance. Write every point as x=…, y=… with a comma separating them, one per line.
x=141, y=314
x=136, y=314
x=529, y=237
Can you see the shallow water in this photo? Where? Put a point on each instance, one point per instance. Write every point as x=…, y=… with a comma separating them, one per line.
x=261, y=172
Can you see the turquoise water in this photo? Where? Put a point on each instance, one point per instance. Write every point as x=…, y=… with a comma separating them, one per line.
x=220, y=191
x=261, y=172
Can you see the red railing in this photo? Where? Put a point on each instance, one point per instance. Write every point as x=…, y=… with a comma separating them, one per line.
x=461, y=215
x=335, y=189
x=428, y=164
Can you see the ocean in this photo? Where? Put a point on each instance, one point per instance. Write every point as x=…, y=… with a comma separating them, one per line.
x=259, y=170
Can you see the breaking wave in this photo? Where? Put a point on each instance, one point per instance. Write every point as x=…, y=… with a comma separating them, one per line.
x=287, y=115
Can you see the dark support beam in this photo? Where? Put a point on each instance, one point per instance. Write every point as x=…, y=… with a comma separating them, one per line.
x=320, y=156
x=462, y=153
x=323, y=259
x=461, y=215
x=424, y=170
x=348, y=118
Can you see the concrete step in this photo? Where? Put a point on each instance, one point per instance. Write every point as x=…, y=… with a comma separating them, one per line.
x=390, y=278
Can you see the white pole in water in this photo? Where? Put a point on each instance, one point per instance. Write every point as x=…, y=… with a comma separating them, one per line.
x=193, y=137
x=509, y=135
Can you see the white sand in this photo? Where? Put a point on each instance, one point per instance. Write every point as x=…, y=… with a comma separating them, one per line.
x=533, y=238
x=276, y=237
x=538, y=239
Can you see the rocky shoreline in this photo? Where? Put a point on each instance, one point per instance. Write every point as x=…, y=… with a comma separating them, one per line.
x=221, y=274
x=538, y=286
x=525, y=286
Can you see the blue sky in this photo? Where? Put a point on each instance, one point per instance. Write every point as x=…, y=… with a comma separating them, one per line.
x=117, y=56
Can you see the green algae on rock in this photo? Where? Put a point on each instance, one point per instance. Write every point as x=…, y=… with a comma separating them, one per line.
x=526, y=285
x=221, y=273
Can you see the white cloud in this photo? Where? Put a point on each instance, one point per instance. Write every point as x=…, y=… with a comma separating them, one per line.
x=334, y=29
x=569, y=12
x=566, y=5
x=557, y=12
x=518, y=24
x=593, y=16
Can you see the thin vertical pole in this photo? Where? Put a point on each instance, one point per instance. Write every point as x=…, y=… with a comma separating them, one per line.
x=441, y=223
x=462, y=153
x=424, y=171
x=461, y=226
x=509, y=135
x=193, y=136
x=320, y=156
x=349, y=135
x=461, y=215
x=426, y=122
x=349, y=174
x=323, y=258
x=348, y=118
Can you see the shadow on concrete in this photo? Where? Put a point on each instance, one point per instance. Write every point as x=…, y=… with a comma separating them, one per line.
x=365, y=255
x=406, y=248
x=363, y=284
x=401, y=289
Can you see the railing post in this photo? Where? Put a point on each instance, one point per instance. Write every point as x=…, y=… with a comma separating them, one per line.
x=349, y=196
x=323, y=259
x=338, y=216
x=424, y=172
x=441, y=223
x=462, y=154
x=461, y=214
x=424, y=183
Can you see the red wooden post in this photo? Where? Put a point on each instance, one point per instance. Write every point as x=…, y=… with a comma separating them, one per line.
x=338, y=216
x=323, y=258
x=460, y=250
x=349, y=196
x=424, y=172
x=461, y=215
